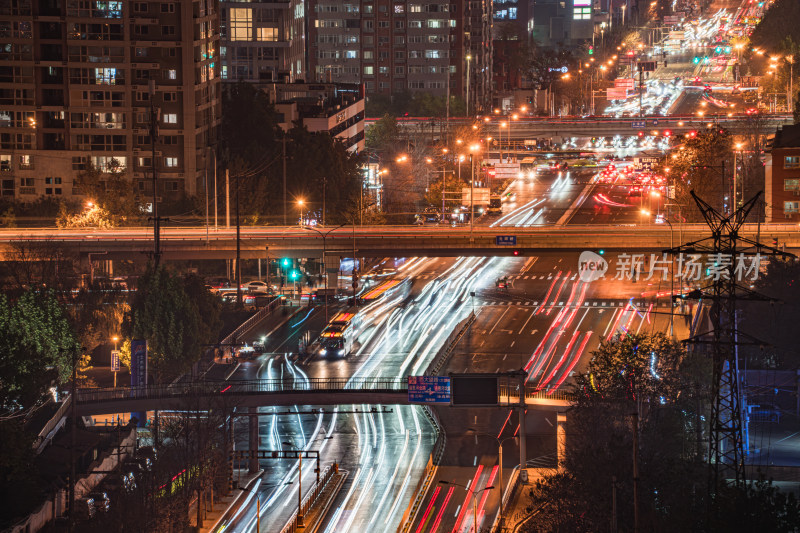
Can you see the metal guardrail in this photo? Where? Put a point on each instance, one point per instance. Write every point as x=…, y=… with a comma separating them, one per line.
x=143, y=233
x=309, y=501
x=55, y=421
x=231, y=388
x=508, y=496
x=251, y=322
x=425, y=483
x=444, y=352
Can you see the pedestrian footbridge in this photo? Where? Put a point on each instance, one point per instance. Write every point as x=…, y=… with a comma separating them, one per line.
x=202, y=395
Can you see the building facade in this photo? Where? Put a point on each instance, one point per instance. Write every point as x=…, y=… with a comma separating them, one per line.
x=75, y=83
x=782, y=176
x=389, y=46
x=561, y=23
x=333, y=108
x=263, y=41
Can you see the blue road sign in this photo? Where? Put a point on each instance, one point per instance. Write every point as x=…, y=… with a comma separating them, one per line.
x=505, y=240
x=639, y=124
x=428, y=389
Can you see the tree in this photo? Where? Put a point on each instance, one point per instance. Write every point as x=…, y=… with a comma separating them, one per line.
x=207, y=306
x=383, y=134
x=452, y=192
x=648, y=375
x=778, y=30
x=251, y=149
x=111, y=198
x=698, y=166
x=37, y=346
x=163, y=314
x=18, y=488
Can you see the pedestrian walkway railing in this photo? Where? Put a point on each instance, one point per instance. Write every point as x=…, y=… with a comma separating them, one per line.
x=52, y=425
x=508, y=394
x=251, y=322
x=233, y=388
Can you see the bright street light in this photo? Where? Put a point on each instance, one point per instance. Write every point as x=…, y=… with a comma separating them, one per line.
x=474, y=494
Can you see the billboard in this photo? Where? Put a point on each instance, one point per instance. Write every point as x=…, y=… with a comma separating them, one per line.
x=475, y=390
x=139, y=373
x=583, y=3
x=627, y=83
x=428, y=389
x=138, y=363
x=616, y=93
x=481, y=195
x=506, y=170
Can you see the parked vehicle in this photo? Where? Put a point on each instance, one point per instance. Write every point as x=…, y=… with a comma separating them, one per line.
x=256, y=285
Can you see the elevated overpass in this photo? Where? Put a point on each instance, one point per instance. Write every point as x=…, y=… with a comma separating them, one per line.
x=369, y=241
x=202, y=395
x=533, y=127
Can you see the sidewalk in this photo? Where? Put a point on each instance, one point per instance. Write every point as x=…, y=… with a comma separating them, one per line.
x=223, y=507
x=518, y=508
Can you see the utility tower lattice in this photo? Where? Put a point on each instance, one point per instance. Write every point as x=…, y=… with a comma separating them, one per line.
x=726, y=247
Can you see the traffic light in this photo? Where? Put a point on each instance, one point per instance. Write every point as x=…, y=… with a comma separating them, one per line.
x=774, y=242
x=516, y=253
x=294, y=274
x=285, y=262
x=696, y=60
x=591, y=50
x=601, y=252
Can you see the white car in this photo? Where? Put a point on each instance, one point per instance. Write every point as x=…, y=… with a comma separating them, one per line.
x=256, y=285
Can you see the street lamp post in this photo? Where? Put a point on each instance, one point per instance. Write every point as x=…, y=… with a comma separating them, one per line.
x=116, y=340
x=258, y=507
x=500, y=462
x=469, y=58
x=474, y=148
x=324, y=251
x=671, y=280
x=299, y=484
x=444, y=174
x=300, y=204
x=474, y=494
x=500, y=127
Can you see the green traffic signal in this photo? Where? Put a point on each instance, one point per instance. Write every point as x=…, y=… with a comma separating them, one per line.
x=286, y=261
x=294, y=274
x=591, y=50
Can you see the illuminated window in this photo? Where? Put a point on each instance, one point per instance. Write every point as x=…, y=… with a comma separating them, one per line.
x=791, y=185
x=791, y=161
x=241, y=24
x=582, y=13
x=105, y=76
x=791, y=207
x=369, y=70
x=267, y=34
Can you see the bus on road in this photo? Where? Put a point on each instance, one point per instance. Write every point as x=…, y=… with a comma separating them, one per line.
x=338, y=337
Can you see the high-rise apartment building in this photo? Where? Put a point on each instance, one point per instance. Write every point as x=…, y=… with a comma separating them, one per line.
x=263, y=41
x=75, y=82
x=390, y=46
